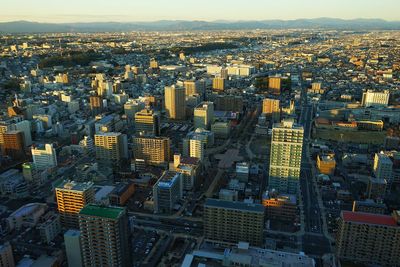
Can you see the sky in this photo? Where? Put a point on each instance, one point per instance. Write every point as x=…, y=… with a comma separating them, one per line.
x=151, y=10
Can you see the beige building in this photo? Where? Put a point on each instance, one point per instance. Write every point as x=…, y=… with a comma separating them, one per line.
x=274, y=85
x=272, y=109
x=203, y=115
x=219, y=84
x=376, y=99
x=175, y=105
x=71, y=197
x=154, y=150
x=231, y=222
x=147, y=122
x=110, y=147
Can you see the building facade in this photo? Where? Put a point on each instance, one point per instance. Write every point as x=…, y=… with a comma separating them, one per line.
x=104, y=236
x=286, y=155
x=232, y=222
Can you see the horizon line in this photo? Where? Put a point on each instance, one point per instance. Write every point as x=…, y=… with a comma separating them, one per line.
x=199, y=20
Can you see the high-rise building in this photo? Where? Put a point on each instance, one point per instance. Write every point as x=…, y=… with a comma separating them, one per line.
x=110, y=147
x=73, y=248
x=203, y=115
x=6, y=255
x=219, y=84
x=167, y=191
x=105, y=236
x=274, y=85
x=154, y=150
x=96, y=104
x=376, y=99
x=383, y=167
x=13, y=144
x=147, y=122
x=232, y=222
x=370, y=239
x=193, y=87
x=71, y=197
x=44, y=156
x=229, y=103
x=189, y=168
x=272, y=109
x=175, y=106
x=285, y=158
x=196, y=147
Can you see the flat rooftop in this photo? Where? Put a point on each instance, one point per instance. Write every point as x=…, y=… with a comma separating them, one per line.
x=73, y=185
x=101, y=211
x=234, y=205
x=368, y=218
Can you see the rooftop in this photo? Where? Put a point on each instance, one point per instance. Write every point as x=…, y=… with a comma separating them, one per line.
x=368, y=218
x=234, y=205
x=72, y=185
x=102, y=211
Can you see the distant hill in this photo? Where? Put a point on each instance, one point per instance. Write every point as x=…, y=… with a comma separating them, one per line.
x=181, y=25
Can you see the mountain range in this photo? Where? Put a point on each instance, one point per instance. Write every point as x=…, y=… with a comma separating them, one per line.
x=185, y=25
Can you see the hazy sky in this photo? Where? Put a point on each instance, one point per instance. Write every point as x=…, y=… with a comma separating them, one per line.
x=150, y=10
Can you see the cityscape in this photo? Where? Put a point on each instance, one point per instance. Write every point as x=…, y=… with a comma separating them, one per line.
x=196, y=143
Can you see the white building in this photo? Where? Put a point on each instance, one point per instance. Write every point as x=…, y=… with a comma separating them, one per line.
x=44, y=156
x=371, y=98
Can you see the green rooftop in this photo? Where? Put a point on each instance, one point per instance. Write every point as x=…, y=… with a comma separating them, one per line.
x=102, y=211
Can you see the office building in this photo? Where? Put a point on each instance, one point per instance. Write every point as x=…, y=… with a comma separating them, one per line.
x=271, y=108
x=229, y=103
x=370, y=239
x=221, y=129
x=203, y=115
x=218, y=84
x=154, y=150
x=375, y=99
x=71, y=197
x=175, y=105
x=383, y=167
x=231, y=222
x=6, y=255
x=50, y=227
x=274, y=85
x=368, y=206
x=285, y=158
x=189, y=168
x=167, y=191
x=147, y=122
x=122, y=192
x=376, y=188
x=194, y=87
x=281, y=207
x=73, y=248
x=104, y=236
x=44, y=156
x=13, y=145
x=111, y=147
x=96, y=104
